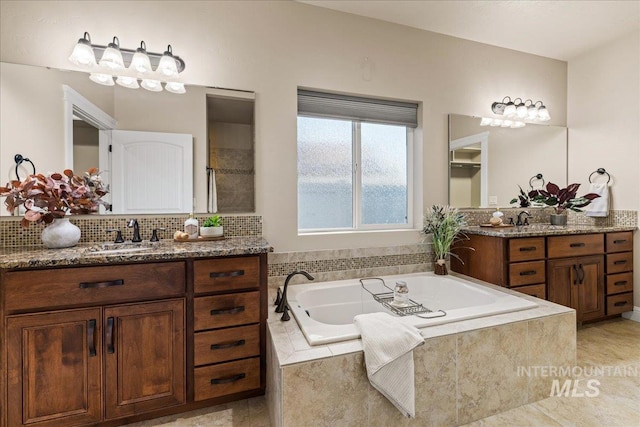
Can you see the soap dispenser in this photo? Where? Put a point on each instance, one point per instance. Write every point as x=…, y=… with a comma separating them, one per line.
x=191, y=227
x=496, y=218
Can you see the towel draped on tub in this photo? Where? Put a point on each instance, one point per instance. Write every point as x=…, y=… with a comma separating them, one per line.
x=388, y=345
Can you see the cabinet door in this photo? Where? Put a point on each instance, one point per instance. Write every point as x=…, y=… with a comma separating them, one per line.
x=560, y=281
x=144, y=357
x=54, y=364
x=590, y=302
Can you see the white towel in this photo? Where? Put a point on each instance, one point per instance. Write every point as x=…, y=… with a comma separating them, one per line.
x=388, y=347
x=213, y=193
x=599, y=207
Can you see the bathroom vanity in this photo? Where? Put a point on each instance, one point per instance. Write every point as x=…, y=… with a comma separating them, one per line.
x=586, y=268
x=106, y=339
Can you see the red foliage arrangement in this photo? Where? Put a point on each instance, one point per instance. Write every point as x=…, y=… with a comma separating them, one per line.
x=561, y=199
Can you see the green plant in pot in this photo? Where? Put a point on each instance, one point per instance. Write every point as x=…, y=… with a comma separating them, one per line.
x=212, y=227
x=560, y=199
x=445, y=225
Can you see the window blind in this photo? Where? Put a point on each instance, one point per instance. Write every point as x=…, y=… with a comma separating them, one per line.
x=321, y=104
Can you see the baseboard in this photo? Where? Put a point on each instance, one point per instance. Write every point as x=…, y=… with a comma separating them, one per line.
x=633, y=315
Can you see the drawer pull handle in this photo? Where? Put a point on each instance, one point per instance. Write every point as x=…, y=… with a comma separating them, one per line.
x=577, y=245
x=233, y=310
x=109, y=336
x=528, y=249
x=620, y=304
x=91, y=337
x=528, y=273
x=620, y=283
x=227, y=345
x=617, y=242
x=235, y=273
x=228, y=379
x=620, y=262
x=93, y=285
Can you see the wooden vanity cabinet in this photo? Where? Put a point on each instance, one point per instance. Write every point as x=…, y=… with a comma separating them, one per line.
x=619, y=269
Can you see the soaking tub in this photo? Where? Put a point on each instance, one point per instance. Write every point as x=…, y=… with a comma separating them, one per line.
x=325, y=311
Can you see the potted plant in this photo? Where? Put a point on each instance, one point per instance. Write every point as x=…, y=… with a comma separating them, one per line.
x=444, y=224
x=560, y=199
x=212, y=227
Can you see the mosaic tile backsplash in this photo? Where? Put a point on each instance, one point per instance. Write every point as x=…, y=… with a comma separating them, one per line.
x=616, y=217
x=93, y=228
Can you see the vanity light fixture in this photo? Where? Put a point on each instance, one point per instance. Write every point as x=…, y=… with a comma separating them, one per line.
x=518, y=109
x=513, y=124
x=128, y=66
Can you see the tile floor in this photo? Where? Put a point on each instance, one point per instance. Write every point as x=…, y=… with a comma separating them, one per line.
x=615, y=343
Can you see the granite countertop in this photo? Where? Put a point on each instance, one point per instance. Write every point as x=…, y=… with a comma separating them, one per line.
x=543, y=230
x=114, y=253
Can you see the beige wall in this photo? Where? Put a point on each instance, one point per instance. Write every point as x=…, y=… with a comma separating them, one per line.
x=272, y=48
x=604, y=123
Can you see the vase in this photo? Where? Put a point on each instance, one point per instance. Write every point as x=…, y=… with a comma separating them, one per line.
x=211, y=231
x=61, y=233
x=440, y=268
x=558, y=219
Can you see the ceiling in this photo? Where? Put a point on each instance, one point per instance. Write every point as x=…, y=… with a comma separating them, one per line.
x=552, y=28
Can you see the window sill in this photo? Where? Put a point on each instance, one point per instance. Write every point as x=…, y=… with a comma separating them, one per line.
x=358, y=232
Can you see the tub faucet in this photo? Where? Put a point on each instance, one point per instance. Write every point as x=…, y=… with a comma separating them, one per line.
x=526, y=219
x=283, y=305
x=136, y=230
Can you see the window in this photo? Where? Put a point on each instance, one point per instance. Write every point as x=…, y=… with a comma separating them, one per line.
x=354, y=172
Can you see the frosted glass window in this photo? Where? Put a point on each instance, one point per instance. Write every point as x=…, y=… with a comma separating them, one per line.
x=384, y=174
x=325, y=177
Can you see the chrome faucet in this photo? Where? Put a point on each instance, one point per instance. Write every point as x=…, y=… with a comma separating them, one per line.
x=136, y=230
x=281, y=300
x=526, y=219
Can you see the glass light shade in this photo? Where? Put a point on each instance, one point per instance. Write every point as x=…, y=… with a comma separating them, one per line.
x=83, y=55
x=102, y=79
x=506, y=123
x=175, y=87
x=517, y=124
x=167, y=66
x=140, y=62
x=532, y=112
x=509, y=110
x=543, y=114
x=521, y=111
x=496, y=122
x=485, y=121
x=112, y=57
x=152, y=85
x=129, y=82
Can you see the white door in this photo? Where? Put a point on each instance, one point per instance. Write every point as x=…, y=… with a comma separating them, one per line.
x=151, y=172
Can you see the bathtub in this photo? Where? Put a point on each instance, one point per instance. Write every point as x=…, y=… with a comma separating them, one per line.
x=325, y=311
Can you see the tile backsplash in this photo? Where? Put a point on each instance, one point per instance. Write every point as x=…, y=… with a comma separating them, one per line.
x=616, y=217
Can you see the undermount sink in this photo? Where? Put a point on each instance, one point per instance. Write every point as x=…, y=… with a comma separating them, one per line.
x=116, y=248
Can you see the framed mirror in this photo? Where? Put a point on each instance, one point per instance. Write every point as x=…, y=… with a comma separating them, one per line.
x=487, y=164
x=38, y=121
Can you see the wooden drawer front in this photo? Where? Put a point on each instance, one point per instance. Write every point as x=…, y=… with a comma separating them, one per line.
x=226, y=310
x=526, y=273
x=538, y=291
x=226, y=378
x=92, y=285
x=226, y=344
x=527, y=249
x=224, y=274
x=620, y=242
x=618, y=263
x=576, y=245
x=618, y=283
x=617, y=304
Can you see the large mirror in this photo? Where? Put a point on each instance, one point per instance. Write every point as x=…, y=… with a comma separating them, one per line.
x=487, y=163
x=56, y=130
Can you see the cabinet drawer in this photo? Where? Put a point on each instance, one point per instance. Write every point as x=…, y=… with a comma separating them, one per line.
x=226, y=310
x=107, y=284
x=538, y=291
x=617, y=304
x=620, y=242
x=226, y=378
x=225, y=274
x=526, y=273
x=618, y=263
x=527, y=249
x=575, y=245
x=618, y=283
x=226, y=344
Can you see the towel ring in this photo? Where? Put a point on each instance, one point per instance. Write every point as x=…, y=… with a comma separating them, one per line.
x=600, y=171
x=538, y=177
x=19, y=159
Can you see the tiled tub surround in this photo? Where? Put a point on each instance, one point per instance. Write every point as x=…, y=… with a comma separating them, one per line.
x=466, y=371
x=93, y=228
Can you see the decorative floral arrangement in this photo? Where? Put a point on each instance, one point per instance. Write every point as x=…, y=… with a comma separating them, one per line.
x=46, y=198
x=561, y=199
x=445, y=224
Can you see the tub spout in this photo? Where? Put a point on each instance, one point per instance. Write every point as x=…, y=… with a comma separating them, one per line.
x=283, y=305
